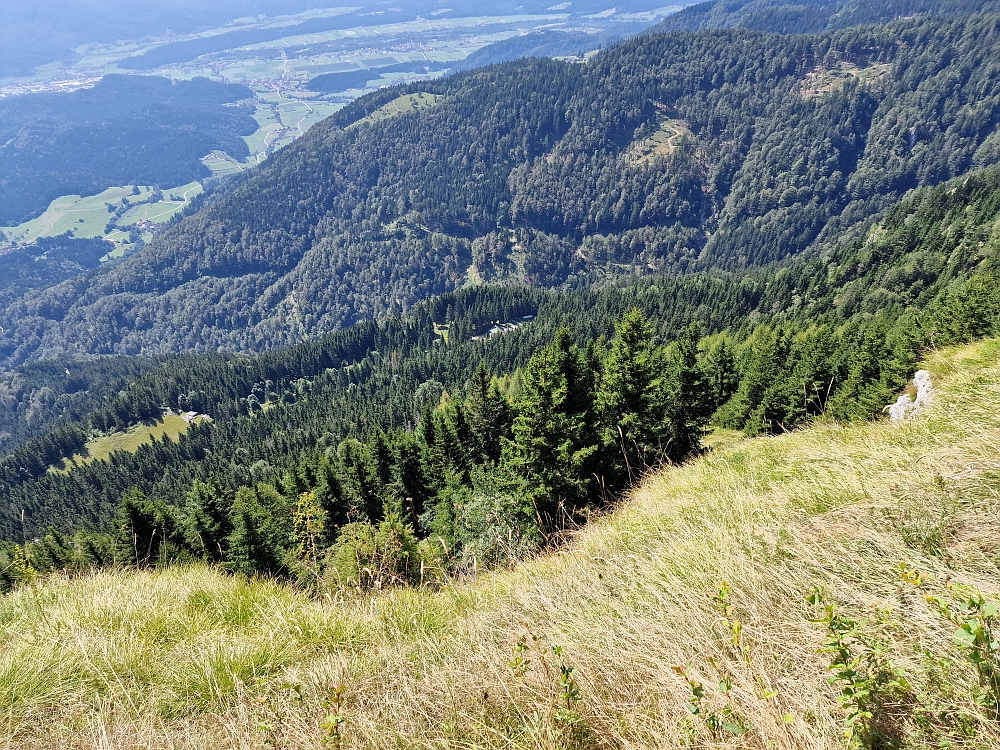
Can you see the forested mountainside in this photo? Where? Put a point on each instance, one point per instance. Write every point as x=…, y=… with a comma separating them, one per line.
x=668, y=153
x=126, y=130
x=46, y=262
x=810, y=16
x=528, y=425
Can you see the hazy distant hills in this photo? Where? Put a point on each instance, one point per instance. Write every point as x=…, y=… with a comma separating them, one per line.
x=44, y=31
x=668, y=153
x=126, y=130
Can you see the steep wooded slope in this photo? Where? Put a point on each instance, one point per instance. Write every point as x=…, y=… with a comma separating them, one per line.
x=670, y=153
x=835, y=333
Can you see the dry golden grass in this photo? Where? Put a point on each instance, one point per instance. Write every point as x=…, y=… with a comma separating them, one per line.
x=188, y=658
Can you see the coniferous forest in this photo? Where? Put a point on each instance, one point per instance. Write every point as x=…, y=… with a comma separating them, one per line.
x=469, y=326
x=486, y=421
x=670, y=153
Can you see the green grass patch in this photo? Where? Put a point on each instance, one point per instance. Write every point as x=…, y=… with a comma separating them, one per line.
x=172, y=425
x=401, y=106
x=222, y=164
x=663, y=142
x=87, y=217
x=84, y=217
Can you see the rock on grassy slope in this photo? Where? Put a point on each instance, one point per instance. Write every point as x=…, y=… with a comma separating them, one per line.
x=191, y=658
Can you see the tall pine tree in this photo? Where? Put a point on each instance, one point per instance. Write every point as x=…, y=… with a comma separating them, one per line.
x=554, y=449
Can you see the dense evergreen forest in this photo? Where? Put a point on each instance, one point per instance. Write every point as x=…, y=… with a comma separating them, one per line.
x=537, y=280
x=46, y=262
x=669, y=153
x=126, y=130
x=478, y=445
x=811, y=16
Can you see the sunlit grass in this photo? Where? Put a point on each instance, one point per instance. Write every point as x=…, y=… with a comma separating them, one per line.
x=401, y=106
x=189, y=657
x=172, y=426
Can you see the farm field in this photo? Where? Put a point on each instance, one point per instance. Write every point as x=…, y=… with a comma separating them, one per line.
x=87, y=217
x=163, y=210
x=83, y=216
x=223, y=164
x=284, y=118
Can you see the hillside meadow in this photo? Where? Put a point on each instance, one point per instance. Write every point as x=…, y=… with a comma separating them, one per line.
x=680, y=619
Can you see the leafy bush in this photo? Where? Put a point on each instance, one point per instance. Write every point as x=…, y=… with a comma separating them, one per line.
x=366, y=557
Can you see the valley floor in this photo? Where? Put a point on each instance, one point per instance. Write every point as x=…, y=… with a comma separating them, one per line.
x=609, y=643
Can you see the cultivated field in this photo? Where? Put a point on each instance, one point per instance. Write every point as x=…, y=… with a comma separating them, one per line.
x=88, y=217
x=84, y=217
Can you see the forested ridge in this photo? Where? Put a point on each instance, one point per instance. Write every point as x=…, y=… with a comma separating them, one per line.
x=670, y=153
x=478, y=438
x=811, y=16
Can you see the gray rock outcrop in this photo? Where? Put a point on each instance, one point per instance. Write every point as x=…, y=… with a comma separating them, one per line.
x=905, y=406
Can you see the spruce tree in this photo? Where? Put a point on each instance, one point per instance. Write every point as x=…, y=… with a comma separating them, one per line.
x=140, y=529
x=330, y=492
x=360, y=482
x=687, y=399
x=206, y=520
x=553, y=451
x=629, y=400
x=251, y=548
x=721, y=374
x=414, y=486
x=488, y=412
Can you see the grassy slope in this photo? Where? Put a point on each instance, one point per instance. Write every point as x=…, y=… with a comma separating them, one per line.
x=189, y=658
x=172, y=425
x=65, y=213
